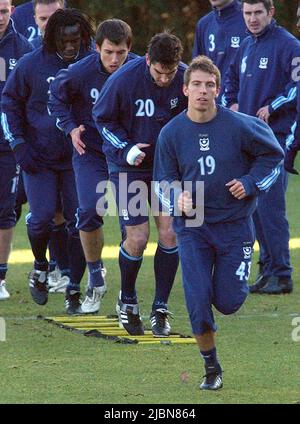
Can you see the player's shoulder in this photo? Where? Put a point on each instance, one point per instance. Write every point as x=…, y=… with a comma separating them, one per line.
x=206, y=20
x=176, y=123
x=131, y=70
x=85, y=63
x=23, y=8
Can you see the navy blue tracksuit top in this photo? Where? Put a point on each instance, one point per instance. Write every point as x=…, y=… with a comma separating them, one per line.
x=25, y=116
x=73, y=94
x=262, y=74
x=23, y=17
x=219, y=35
x=232, y=145
x=132, y=109
x=12, y=47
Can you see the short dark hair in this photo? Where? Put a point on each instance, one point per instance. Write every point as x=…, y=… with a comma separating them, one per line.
x=114, y=30
x=204, y=64
x=46, y=2
x=165, y=48
x=267, y=3
x=63, y=18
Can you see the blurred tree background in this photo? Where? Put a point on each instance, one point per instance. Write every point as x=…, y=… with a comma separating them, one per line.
x=147, y=17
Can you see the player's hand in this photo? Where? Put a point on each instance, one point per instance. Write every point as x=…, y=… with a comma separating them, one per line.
x=236, y=189
x=234, y=107
x=185, y=202
x=289, y=161
x=139, y=159
x=76, y=140
x=264, y=114
x=24, y=155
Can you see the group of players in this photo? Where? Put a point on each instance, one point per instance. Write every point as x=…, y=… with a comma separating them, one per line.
x=80, y=109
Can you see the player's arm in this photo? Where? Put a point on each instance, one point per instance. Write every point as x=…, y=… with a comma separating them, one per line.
x=232, y=83
x=198, y=46
x=166, y=177
x=63, y=91
x=293, y=140
x=13, y=117
x=267, y=158
x=111, y=107
x=288, y=97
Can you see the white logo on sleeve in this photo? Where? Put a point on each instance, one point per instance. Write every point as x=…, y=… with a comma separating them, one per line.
x=204, y=144
x=235, y=42
x=12, y=63
x=263, y=64
x=244, y=64
x=174, y=103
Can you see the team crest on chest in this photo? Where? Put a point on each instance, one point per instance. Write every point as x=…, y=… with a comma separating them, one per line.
x=204, y=143
x=247, y=252
x=235, y=42
x=12, y=63
x=263, y=64
x=174, y=103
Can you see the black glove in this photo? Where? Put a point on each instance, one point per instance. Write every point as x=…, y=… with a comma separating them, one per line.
x=25, y=158
x=289, y=160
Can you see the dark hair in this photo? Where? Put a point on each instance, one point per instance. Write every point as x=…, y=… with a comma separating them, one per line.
x=267, y=3
x=204, y=64
x=114, y=30
x=63, y=18
x=166, y=49
x=46, y=2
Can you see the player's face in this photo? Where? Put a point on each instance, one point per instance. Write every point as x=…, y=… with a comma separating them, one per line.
x=219, y=4
x=112, y=55
x=68, y=42
x=201, y=91
x=43, y=13
x=5, y=13
x=257, y=17
x=162, y=76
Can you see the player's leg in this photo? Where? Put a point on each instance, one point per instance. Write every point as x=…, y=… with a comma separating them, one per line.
x=197, y=259
x=264, y=271
x=272, y=212
x=233, y=264
x=39, y=226
x=8, y=190
x=77, y=261
x=136, y=225
x=21, y=198
x=59, y=271
x=91, y=179
x=165, y=267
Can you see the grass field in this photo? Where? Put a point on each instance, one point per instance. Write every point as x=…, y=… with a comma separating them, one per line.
x=41, y=363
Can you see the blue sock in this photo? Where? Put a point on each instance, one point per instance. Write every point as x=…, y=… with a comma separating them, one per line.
x=95, y=275
x=210, y=357
x=41, y=266
x=64, y=272
x=58, y=246
x=52, y=265
x=71, y=287
x=129, y=267
x=165, y=267
x=3, y=271
x=39, y=248
x=76, y=259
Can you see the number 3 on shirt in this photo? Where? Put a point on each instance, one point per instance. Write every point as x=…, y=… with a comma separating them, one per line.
x=212, y=43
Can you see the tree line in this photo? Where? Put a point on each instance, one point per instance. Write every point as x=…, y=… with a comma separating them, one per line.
x=147, y=17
